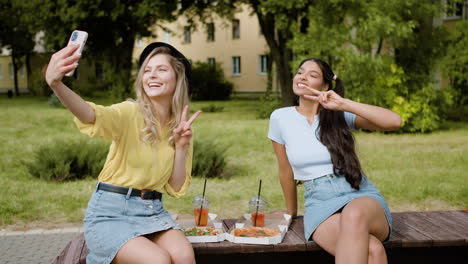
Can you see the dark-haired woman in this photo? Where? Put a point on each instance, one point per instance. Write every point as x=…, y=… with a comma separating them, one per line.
x=344, y=213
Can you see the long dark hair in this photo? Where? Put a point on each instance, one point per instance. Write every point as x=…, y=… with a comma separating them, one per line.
x=335, y=134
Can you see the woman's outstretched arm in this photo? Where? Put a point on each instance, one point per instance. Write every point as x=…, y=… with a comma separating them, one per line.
x=62, y=62
x=367, y=116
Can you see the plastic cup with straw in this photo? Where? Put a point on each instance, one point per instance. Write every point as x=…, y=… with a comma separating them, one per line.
x=257, y=207
x=201, y=205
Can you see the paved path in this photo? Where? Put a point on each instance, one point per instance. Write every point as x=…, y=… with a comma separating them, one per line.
x=34, y=246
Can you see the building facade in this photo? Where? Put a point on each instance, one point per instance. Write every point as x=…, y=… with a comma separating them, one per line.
x=238, y=45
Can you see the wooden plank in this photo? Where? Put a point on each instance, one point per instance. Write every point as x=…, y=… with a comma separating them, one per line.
x=251, y=248
x=439, y=236
x=446, y=219
x=298, y=227
x=461, y=217
x=221, y=248
x=291, y=242
x=410, y=236
x=395, y=240
x=199, y=248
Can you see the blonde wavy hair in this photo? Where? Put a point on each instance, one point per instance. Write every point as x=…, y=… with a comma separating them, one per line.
x=149, y=134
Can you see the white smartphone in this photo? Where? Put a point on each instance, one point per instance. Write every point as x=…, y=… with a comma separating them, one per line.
x=77, y=37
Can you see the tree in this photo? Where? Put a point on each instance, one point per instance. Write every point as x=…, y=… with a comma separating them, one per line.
x=456, y=62
x=113, y=26
x=16, y=36
x=385, y=50
x=276, y=18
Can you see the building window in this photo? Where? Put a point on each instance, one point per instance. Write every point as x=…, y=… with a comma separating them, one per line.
x=236, y=29
x=100, y=72
x=210, y=32
x=187, y=36
x=263, y=64
x=211, y=62
x=167, y=36
x=454, y=9
x=1, y=73
x=236, y=65
x=12, y=71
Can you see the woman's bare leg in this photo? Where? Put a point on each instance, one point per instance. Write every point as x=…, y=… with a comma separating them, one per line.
x=141, y=250
x=176, y=244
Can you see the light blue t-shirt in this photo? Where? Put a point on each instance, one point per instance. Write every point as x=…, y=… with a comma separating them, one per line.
x=308, y=157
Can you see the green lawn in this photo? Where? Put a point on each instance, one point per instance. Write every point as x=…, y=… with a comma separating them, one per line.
x=414, y=172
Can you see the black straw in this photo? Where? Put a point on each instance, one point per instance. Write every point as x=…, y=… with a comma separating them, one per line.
x=258, y=201
x=203, y=200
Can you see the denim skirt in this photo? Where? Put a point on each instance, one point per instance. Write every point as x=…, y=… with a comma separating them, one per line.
x=112, y=219
x=326, y=195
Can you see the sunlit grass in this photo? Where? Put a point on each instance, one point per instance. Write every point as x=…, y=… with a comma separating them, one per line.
x=414, y=172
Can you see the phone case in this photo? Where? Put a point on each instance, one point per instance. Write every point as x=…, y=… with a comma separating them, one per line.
x=77, y=37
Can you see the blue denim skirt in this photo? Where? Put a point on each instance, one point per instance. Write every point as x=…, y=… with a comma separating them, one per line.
x=112, y=219
x=326, y=195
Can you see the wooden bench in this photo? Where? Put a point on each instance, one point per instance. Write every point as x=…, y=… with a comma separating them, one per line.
x=418, y=237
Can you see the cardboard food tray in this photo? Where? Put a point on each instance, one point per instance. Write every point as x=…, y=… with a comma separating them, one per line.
x=188, y=221
x=273, y=221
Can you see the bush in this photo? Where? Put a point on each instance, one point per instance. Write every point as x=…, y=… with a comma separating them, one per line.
x=455, y=63
x=65, y=160
x=209, y=159
x=268, y=104
x=54, y=101
x=208, y=82
x=212, y=108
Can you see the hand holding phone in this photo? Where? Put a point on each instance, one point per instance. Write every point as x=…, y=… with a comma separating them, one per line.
x=77, y=37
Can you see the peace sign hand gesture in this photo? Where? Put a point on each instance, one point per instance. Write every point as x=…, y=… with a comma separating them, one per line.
x=183, y=133
x=328, y=99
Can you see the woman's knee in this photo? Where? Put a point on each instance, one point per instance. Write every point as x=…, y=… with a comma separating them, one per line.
x=141, y=250
x=376, y=249
x=184, y=255
x=354, y=218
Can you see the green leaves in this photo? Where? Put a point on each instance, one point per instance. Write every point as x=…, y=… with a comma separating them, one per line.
x=384, y=50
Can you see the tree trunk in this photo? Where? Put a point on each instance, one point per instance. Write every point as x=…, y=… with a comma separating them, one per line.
x=28, y=72
x=15, y=72
x=119, y=68
x=281, y=55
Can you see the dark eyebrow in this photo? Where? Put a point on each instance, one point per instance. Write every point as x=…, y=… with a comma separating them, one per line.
x=310, y=71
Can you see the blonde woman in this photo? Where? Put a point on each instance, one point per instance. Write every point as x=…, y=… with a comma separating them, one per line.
x=150, y=154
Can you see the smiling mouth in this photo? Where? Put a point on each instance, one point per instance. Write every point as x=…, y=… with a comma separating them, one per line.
x=301, y=85
x=154, y=85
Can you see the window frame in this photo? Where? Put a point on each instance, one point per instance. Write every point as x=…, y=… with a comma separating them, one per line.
x=187, y=35
x=210, y=32
x=235, y=29
x=263, y=61
x=453, y=15
x=236, y=65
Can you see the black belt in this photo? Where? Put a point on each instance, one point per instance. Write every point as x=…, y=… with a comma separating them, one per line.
x=143, y=194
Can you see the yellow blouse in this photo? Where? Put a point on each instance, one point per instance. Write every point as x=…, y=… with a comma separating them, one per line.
x=131, y=162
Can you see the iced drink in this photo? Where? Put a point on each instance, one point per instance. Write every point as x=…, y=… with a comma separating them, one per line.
x=201, y=207
x=257, y=210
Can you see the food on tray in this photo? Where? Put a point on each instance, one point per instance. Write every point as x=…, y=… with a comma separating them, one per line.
x=254, y=231
x=201, y=231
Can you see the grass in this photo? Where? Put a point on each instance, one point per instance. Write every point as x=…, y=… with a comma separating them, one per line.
x=413, y=172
